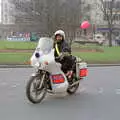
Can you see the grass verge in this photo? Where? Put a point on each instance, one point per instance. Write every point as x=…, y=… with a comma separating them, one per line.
x=17, y=45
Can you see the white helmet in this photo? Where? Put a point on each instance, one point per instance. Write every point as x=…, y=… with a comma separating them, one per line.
x=60, y=32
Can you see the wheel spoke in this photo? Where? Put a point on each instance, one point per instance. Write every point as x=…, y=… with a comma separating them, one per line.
x=35, y=89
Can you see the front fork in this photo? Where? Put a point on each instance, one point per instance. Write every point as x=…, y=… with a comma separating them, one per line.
x=43, y=78
x=40, y=78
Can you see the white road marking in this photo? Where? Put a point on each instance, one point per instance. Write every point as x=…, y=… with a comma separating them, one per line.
x=5, y=69
x=100, y=90
x=15, y=85
x=3, y=83
x=117, y=91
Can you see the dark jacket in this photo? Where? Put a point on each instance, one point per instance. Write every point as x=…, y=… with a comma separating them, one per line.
x=63, y=46
x=68, y=61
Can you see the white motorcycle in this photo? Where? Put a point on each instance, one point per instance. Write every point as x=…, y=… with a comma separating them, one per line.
x=49, y=78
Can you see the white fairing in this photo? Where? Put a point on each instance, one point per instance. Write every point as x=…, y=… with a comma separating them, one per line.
x=34, y=61
x=53, y=68
x=44, y=48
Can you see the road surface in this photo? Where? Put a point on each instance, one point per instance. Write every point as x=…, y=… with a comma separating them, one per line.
x=98, y=97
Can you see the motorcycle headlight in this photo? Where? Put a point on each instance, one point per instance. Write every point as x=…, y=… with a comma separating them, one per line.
x=37, y=55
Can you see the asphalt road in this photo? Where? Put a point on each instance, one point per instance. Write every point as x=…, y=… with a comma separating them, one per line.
x=98, y=97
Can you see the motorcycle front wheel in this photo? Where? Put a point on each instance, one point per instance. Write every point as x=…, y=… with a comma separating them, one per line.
x=35, y=90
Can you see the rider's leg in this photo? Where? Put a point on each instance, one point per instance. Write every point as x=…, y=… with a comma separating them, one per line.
x=69, y=65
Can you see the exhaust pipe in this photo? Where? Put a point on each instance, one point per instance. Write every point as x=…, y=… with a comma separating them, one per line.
x=75, y=83
x=50, y=91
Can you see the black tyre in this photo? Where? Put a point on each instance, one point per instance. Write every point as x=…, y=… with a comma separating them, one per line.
x=73, y=89
x=40, y=93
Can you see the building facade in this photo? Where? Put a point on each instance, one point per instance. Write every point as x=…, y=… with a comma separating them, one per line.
x=6, y=12
x=100, y=20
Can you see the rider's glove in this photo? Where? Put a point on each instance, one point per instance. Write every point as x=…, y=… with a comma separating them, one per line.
x=63, y=54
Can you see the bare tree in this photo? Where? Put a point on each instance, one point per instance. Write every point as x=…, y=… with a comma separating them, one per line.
x=71, y=13
x=55, y=14
x=28, y=10
x=30, y=15
x=109, y=11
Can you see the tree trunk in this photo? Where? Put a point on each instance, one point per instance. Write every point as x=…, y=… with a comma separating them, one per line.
x=110, y=38
x=110, y=34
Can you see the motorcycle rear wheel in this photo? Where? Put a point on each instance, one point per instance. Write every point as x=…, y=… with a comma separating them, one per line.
x=73, y=89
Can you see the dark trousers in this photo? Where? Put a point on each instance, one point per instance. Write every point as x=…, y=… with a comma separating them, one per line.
x=68, y=63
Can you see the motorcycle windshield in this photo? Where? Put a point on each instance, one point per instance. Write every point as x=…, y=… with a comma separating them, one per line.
x=45, y=45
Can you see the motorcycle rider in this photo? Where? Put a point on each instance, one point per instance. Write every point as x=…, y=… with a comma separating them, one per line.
x=63, y=53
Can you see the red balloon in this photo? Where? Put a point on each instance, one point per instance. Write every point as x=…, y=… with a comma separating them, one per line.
x=85, y=25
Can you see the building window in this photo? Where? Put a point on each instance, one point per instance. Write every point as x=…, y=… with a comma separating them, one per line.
x=105, y=18
x=109, y=4
x=5, y=19
x=116, y=17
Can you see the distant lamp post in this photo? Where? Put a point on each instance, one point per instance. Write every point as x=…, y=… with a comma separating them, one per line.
x=94, y=27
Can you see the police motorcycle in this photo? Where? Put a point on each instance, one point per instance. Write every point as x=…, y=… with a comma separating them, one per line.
x=48, y=76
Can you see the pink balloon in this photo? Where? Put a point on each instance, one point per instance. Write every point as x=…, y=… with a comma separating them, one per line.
x=85, y=25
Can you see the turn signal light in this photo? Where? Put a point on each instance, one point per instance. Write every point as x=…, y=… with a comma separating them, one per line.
x=83, y=72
